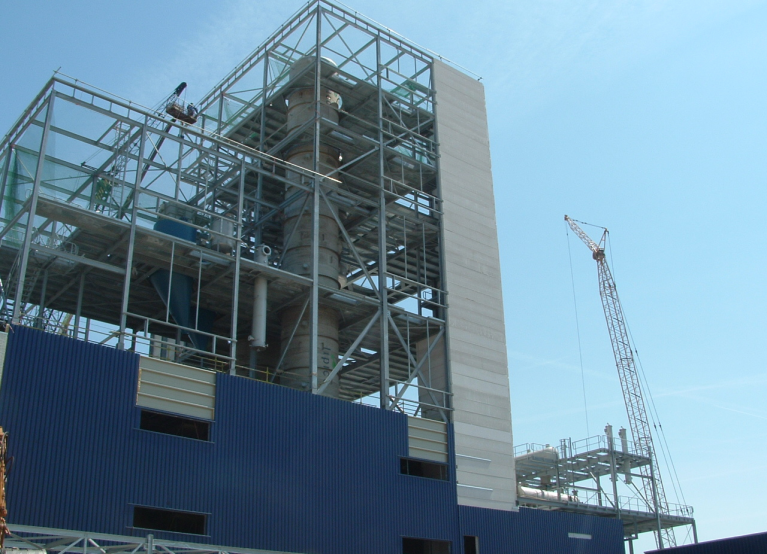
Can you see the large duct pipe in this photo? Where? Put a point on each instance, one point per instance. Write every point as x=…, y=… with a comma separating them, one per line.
x=551, y=496
x=257, y=338
x=298, y=243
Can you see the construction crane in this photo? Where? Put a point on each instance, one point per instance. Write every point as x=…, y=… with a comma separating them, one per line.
x=655, y=496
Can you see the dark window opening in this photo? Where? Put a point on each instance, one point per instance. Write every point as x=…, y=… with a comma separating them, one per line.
x=424, y=546
x=419, y=468
x=169, y=520
x=175, y=425
x=470, y=544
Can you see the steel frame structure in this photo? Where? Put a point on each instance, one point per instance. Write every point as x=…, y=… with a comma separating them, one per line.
x=569, y=478
x=28, y=539
x=79, y=247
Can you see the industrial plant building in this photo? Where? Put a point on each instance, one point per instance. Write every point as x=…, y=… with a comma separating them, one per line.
x=273, y=321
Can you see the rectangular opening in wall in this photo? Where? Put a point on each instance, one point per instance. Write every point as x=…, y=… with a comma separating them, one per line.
x=169, y=520
x=175, y=425
x=470, y=544
x=424, y=546
x=419, y=468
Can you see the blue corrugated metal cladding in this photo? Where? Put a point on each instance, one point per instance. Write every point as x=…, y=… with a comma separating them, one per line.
x=541, y=531
x=284, y=470
x=746, y=544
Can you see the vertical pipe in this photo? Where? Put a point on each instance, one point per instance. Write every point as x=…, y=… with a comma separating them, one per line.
x=384, y=346
x=314, y=293
x=132, y=239
x=625, y=449
x=694, y=532
x=613, y=469
x=258, y=326
x=33, y=210
x=236, y=278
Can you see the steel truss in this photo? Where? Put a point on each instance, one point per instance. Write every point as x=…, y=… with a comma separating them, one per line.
x=26, y=539
x=571, y=478
x=80, y=253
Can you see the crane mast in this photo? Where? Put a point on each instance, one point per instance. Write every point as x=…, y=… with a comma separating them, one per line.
x=655, y=496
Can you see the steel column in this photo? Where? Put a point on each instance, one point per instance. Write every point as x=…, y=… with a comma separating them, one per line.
x=132, y=238
x=382, y=249
x=659, y=535
x=4, y=178
x=236, y=278
x=32, y=209
x=43, y=291
x=314, y=292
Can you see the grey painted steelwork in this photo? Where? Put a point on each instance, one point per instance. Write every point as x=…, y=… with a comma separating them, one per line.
x=569, y=478
x=341, y=184
x=26, y=539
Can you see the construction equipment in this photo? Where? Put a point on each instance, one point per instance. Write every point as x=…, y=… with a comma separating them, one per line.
x=652, y=485
x=175, y=107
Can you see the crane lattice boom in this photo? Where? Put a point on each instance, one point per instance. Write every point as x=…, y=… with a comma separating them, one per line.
x=629, y=379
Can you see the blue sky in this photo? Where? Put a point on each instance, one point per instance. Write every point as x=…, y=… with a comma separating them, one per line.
x=647, y=117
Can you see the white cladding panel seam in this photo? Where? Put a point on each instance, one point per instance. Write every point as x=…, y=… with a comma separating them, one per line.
x=176, y=388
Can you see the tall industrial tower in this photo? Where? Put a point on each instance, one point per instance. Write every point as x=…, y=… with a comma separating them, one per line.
x=326, y=224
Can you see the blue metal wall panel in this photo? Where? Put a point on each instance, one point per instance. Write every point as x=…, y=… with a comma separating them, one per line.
x=61, y=401
x=285, y=470
x=746, y=544
x=540, y=532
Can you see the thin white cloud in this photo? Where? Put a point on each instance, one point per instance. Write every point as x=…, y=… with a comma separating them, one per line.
x=530, y=362
x=748, y=382
x=734, y=408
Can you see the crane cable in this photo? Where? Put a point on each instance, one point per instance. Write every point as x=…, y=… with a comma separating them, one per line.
x=578, y=329
x=653, y=412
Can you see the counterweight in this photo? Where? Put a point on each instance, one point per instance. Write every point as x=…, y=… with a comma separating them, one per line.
x=632, y=392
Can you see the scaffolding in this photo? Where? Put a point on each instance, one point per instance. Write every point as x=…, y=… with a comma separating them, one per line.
x=596, y=476
x=123, y=226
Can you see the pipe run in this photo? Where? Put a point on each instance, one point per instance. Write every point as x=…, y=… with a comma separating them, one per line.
x=257, y=338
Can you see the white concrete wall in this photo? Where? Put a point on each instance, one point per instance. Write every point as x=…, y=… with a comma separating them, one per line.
x=476, y=341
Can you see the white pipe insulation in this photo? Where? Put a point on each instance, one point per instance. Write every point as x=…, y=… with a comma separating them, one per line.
x=257, y=338
x=552, y=496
